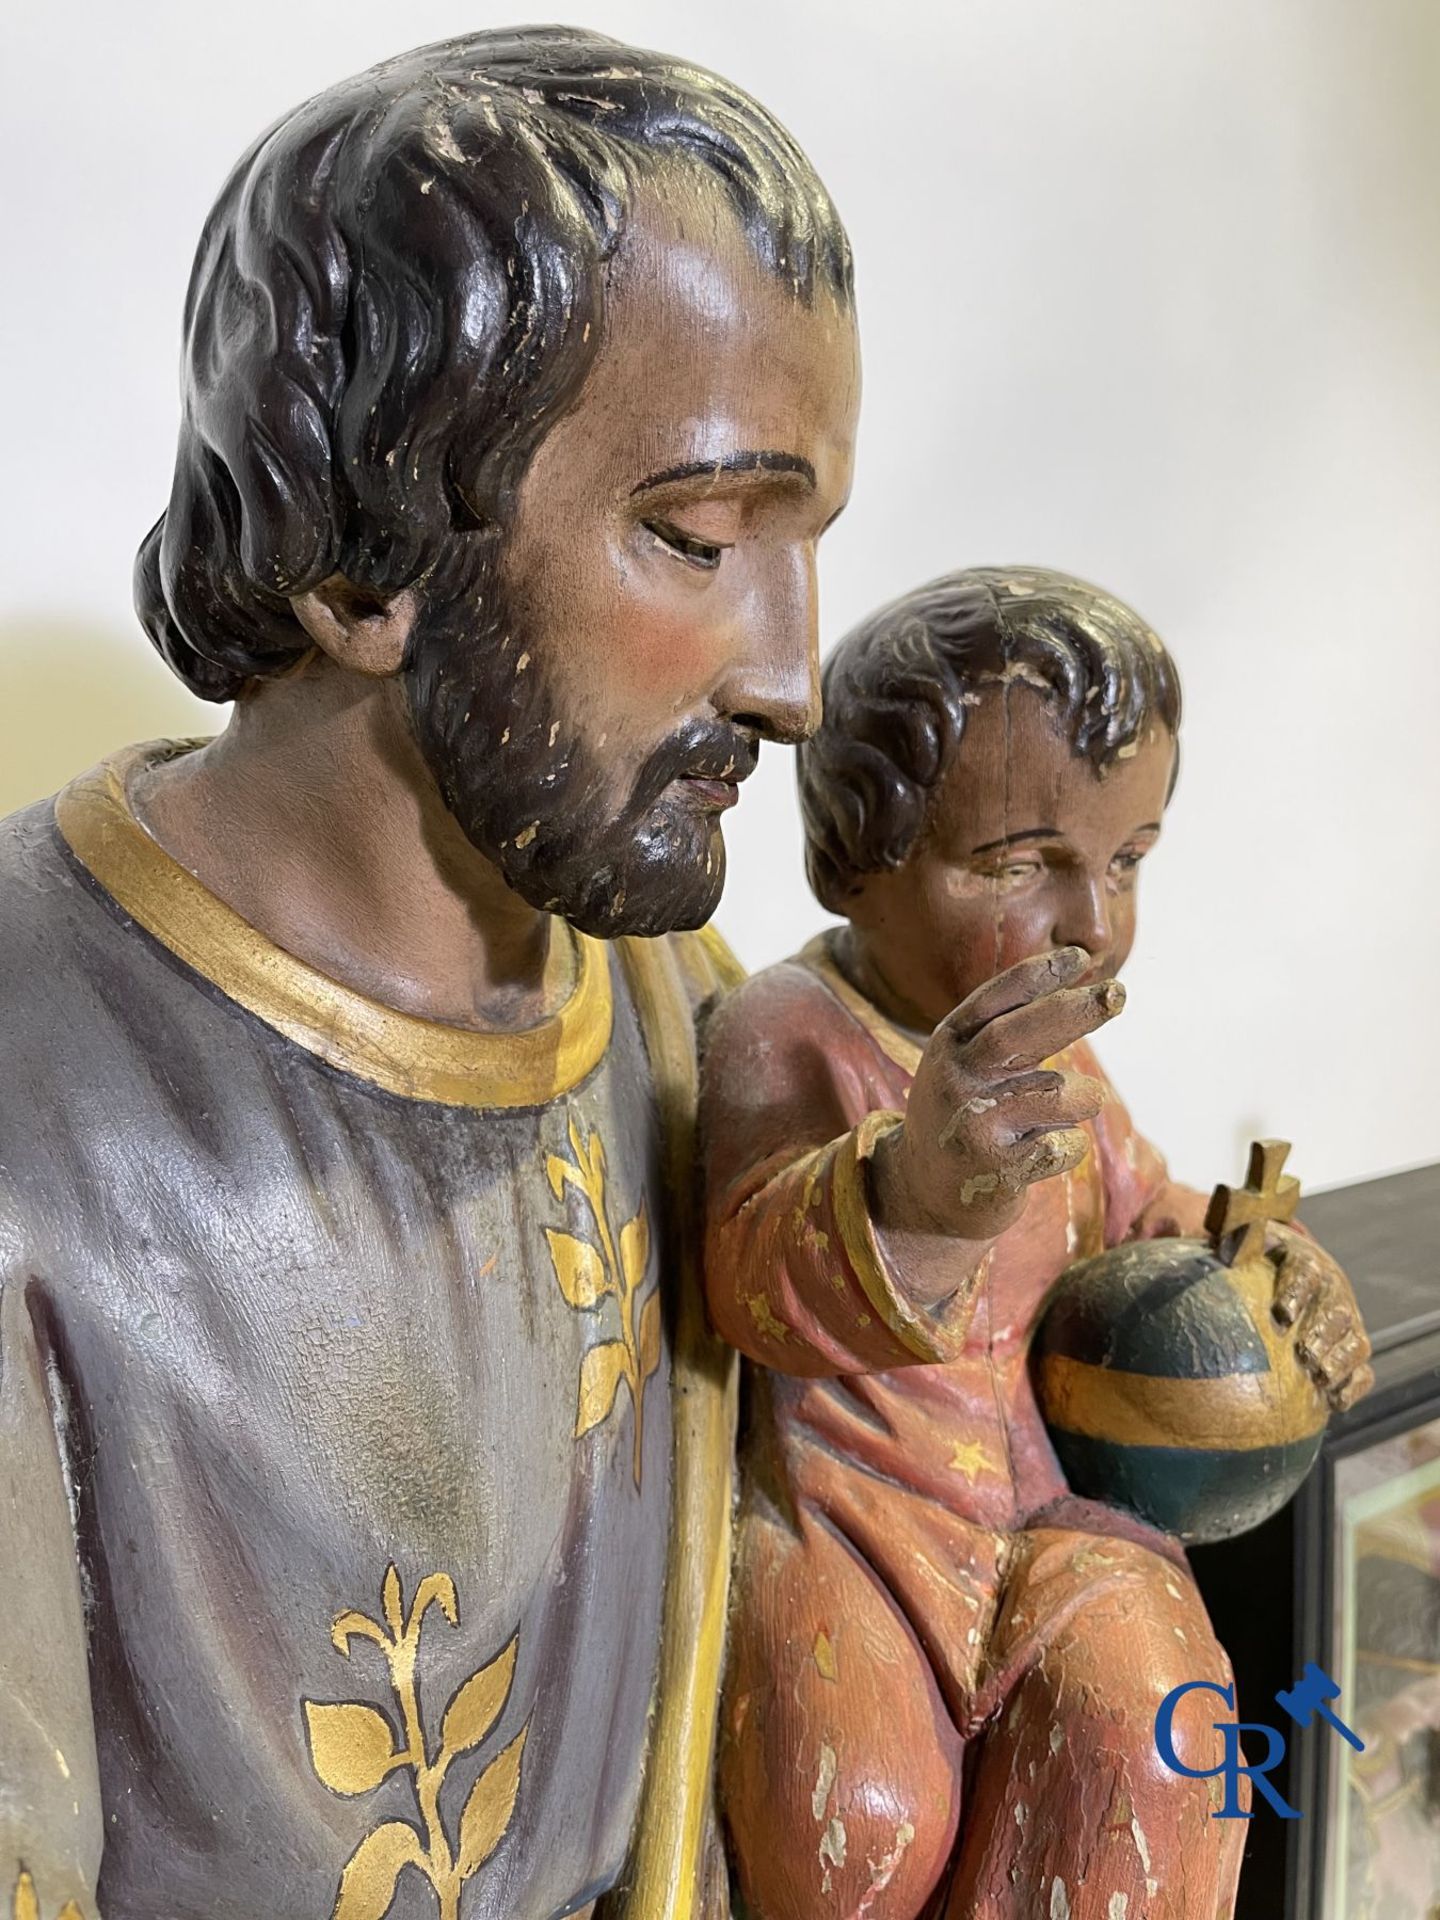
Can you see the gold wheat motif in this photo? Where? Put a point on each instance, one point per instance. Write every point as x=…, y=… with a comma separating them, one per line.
x=27, y=1902
x=353, y=1748
x=606, y=1268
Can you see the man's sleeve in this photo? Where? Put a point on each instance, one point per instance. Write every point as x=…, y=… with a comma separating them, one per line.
x=50, y=1823
x=795, y=1275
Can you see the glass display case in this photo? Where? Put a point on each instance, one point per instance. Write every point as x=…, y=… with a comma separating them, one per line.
x=1381, y=1852
x=1348, y=1576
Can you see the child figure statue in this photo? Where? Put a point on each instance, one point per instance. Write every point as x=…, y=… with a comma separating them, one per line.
x=945, y=1667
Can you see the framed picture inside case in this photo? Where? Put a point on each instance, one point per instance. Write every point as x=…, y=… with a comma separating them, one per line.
x=1381, y=1854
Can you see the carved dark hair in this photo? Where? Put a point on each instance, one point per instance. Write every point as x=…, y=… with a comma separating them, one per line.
x=398, y=291
x=897, y=686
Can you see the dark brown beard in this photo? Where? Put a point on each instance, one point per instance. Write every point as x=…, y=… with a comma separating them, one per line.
x=543, y=809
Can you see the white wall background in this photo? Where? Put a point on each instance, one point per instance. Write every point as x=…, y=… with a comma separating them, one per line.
x=1150, y=289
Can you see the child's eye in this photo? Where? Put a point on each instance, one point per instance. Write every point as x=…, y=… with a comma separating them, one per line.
x=1013, y=873
x=696, y=553
x=1125, y=863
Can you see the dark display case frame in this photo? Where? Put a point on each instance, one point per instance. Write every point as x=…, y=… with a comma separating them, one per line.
x=1271, y=1593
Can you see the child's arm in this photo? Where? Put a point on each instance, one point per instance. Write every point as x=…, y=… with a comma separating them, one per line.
x=795, y=1274
x=837, y=1244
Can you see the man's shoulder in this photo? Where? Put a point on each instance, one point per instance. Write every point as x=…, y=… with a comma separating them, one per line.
x=47, y=1028
x=55, y=930
x=39, y=888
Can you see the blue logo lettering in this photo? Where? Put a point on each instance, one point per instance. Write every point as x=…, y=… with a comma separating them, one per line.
x=1302, y=1703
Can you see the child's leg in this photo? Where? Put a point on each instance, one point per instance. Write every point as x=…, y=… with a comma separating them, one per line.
x=1071, y=1810
x=839, y=1765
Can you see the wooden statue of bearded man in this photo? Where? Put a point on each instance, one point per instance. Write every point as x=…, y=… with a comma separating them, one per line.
x=363, y=1461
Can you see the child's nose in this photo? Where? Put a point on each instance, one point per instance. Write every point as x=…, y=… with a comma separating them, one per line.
x=1083, y=919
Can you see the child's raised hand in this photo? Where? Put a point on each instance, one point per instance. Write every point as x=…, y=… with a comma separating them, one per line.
x=986, y=1119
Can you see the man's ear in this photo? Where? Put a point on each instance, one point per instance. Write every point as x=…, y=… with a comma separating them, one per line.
x=365, y=632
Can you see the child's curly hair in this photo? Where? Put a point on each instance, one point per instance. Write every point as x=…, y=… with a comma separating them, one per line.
x=897, y=686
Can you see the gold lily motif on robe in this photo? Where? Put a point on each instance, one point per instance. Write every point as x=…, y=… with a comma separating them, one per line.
x=607, y=1267
x=353, y=1749
x=26, y=1904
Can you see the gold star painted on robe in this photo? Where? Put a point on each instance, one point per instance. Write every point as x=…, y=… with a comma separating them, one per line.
x=763, y=1314
x=970, y=1458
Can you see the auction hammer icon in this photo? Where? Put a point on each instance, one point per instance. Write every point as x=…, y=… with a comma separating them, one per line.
x=1308, y=1696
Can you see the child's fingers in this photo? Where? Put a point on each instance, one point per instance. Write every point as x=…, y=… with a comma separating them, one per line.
x=1023, y=1110
x=1026, y=1135
x=1037, y=1032
x=1322, y=1330
x=1335, y=1366
x=1013, y=1167
x=1298, y=1281
x=971, y=1106
x=1353, y=1389
x=1027, y=981
x=1042, y=1157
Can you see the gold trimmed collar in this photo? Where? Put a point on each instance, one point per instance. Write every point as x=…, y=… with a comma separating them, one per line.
x=897, y=1046
x=404, y=1054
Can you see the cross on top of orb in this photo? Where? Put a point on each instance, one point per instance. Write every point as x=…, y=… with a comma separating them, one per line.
x=1268, y=1194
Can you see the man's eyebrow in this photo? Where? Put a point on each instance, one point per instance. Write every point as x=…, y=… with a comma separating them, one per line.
x=1010, y=839
x=750, y=460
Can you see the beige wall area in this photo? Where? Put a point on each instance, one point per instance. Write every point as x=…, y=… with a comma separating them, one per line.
x=70, y=692
x=1149, y=290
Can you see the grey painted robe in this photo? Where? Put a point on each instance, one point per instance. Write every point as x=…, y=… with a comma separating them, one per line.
x=335, y=1353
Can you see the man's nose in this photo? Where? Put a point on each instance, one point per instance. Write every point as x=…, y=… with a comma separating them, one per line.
x=1084, y=916
x=773, y=684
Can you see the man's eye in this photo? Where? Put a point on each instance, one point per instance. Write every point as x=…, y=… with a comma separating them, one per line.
x=699, y=553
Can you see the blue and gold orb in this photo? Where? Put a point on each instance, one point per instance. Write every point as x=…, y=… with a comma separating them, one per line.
x=1168, y=1388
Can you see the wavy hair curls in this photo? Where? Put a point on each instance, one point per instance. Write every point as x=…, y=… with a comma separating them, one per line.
x=398, y=290
x=895, y=691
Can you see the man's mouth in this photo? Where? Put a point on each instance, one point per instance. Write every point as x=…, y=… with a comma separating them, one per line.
x=709, y=794
x=702, y=766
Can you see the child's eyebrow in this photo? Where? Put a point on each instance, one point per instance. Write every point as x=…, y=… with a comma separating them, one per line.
x=1010, y=839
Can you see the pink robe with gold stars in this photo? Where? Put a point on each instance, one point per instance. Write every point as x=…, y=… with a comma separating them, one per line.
x=944, y=1666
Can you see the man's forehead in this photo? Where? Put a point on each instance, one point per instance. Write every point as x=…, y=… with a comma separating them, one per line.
x=679, y=222
x=710, y=361
x=685, y=266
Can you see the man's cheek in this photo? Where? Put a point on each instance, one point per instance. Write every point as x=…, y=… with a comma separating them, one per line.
x=669, y=655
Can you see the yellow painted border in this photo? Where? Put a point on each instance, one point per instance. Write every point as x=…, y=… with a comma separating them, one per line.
x=887, y=1036
x=1241, y=1412
x=668, y=1867
x=400, y=1052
